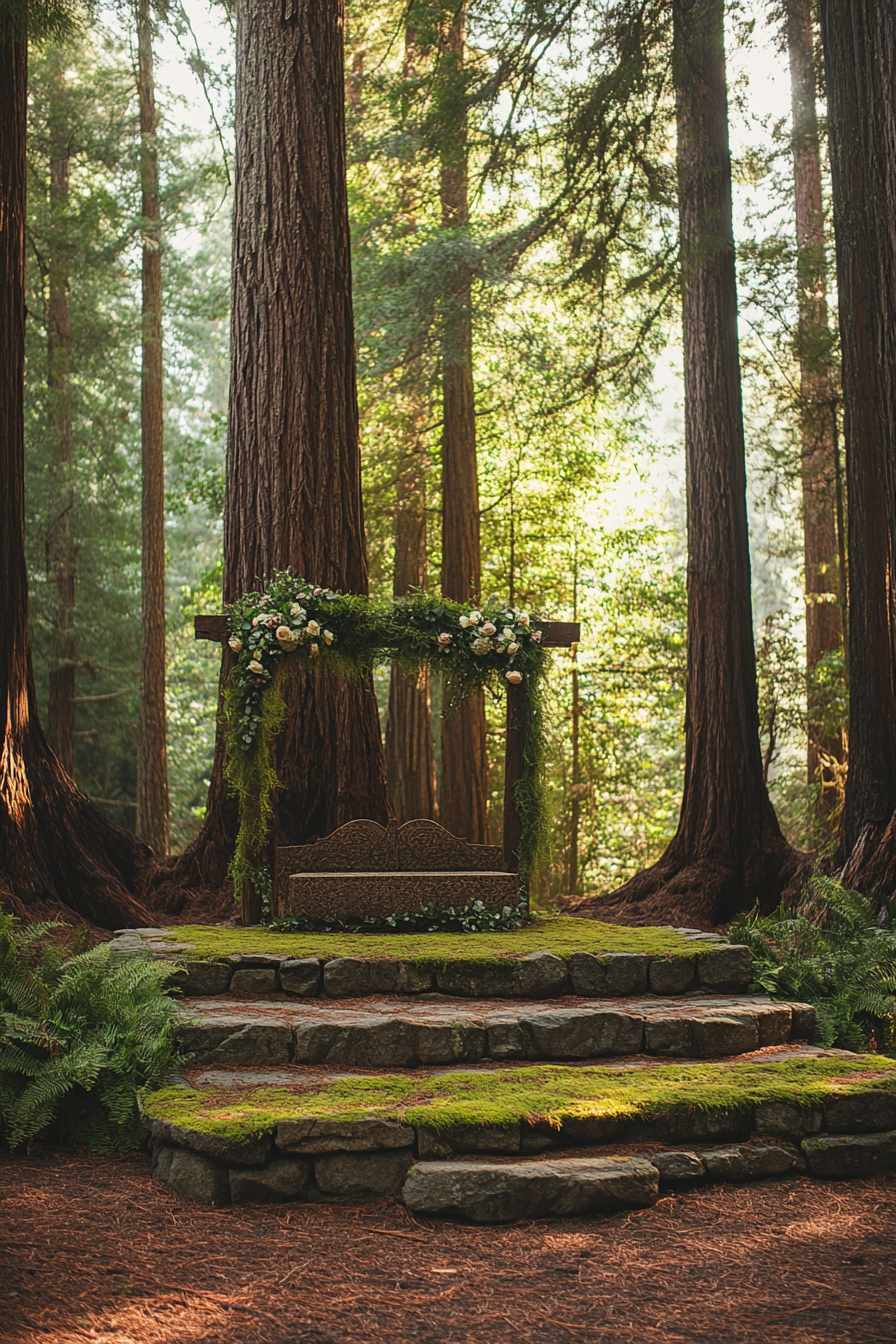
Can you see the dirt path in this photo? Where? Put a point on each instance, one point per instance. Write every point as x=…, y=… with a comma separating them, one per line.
x=93, y=1249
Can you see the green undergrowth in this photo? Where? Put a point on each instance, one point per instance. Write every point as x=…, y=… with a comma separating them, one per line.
x=503, y=1097
x=560, y=934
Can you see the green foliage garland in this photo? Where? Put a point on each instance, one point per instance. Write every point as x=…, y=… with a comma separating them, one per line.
x=293, y=621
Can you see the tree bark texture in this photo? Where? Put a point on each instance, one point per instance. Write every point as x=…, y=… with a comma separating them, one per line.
x=293, y=455
x=60, y=548
x=152, y=768
x=728, y=852
x=464, y=783
x=57, y=852
x=410, y=758
x=818, y=410
x=859, y=40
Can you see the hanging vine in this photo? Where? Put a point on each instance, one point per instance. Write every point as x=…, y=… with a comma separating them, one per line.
x=294, y=622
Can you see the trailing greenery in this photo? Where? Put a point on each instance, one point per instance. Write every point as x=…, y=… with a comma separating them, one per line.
x=559, y=934
x=473, y=918
x=503, y=1097
x=471, y=649
x=82, y=1038
x=838, y=952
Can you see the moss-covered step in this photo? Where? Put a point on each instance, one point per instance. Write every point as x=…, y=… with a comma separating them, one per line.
x=545, y=958
x=393, y=1034
x=356, y=1137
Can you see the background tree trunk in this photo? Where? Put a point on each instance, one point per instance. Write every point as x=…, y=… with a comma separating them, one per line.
x=410, y=758
x=293, y=453
x=818, y=411
x=859, y=42
x=728, y=852
x=57, y=852
x=60, y=549
x=152, y=769
x=464, y=785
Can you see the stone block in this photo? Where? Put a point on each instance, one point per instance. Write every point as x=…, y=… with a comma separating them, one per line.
x=541, y=975
x=671, y=975
x=414, y=978
x=717, y=1036
x=775, y=1023
x=237, y=1040
x=449, y=1041
x=788, y=1121
x=355, y=978
x=203, y=978
x=582, y=1033
x=627, y=973
x=301, y=975
x=376, y=1042
x=538, y=1137
x=678, y=1166
x=363, y=1175
x=749, y=1162
x=585, y=1130
x=492, y=1193
x=467, y=1139
x=725, y=968
x=192, y=1176
x=285, y=1178
x=850, y=1154
x=324, y=1135
x=506, y=1039
x=588, y=976
x=471, y=979
x=253, y=980
x=262, y=961
x=248, y=1151
x=861, y=1112
x=667, y=1036
x=803, y=1022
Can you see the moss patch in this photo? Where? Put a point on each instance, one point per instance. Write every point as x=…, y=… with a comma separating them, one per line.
x=560, y=934
x=503, y=1097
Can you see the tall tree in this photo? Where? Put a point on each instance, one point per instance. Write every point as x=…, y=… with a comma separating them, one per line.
x=728, y=851
x=60, y=547
x=859, y=40
x=152, y=772
x=824, y=584
x=56, y=849
x=293, y=451
x=464, y=784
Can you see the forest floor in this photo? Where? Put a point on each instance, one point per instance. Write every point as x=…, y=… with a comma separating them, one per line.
x=94, y=1249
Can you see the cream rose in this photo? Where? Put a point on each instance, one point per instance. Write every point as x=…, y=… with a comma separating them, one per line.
x=329, y=636
x=315, y=650
x=283, y=634
x=255, y=666
x=523, y=619
x=464, y=621
x=513, y=676
x=312, y=628
x=296, y=611
x=507, y=632
x=512, y=649
x=235, y=644
x=488, y=628
x=475, y=617
x=444, y=638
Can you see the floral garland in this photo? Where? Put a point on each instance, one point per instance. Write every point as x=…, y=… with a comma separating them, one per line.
x=295, y=622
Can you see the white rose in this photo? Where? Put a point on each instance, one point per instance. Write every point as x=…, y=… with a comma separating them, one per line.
x=312, y=628
x=488, y=628
x=444, y=638
x=315, y=650
x=464, y=621
x=514, y=676
x=523, y=619
x=296, y=611
x=507, y=632
x=235, y=644
x=329, y=636
x=283, y=634
x=255, y=666
x=536, y=635
x=475, y=617
x=512, y=649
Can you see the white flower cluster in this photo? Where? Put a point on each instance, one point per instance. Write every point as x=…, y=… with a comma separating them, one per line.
x=485, y=637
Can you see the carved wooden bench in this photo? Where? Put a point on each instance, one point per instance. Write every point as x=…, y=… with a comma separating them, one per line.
x=366, y=871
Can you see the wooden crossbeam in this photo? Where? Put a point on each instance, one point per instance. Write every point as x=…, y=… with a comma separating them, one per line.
x=555, y=635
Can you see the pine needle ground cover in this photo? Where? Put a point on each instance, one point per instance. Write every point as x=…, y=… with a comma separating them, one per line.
x=504, y=1097
x=561, y=934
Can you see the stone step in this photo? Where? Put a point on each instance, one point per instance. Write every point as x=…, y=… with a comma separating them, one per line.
x=492, y=1144
x=591, y=965
x=392, y=1034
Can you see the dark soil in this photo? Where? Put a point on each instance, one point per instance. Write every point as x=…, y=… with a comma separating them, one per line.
x=94, y=1249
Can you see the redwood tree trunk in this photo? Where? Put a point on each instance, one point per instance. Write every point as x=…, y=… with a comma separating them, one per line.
x=818, y=425
x=152, y=769
x=410, y=759
x=859, y=41
x=293, y=455
x=464, y=791
x=57, y=852
x=728, y=852
x=60, y=549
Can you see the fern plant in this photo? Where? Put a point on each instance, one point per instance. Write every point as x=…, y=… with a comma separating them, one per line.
x=82, y=1037
x=837, y=952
